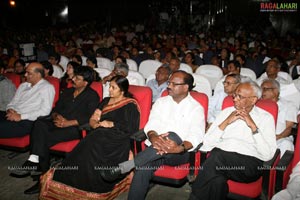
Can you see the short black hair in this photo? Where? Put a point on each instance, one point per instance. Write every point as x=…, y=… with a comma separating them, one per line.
x=187, y=79
x=87, y=73
x=47, y=65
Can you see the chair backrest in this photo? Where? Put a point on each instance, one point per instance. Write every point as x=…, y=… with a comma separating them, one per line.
x=83, y=60
x=296, y=158
x=285, y=76
x=15, y=78
x=104, y=63
x=290, y=93
x=135, y=78
x=249, y=73
x=267, y=105
x=102, y=71
x=202, y=85
x=143, y=95
x=98, y=87
x=64, y=62
x=185, y=67
x=56, y=84
x=150, y=77
x=132, y=64
x=211, y=72
x=148, y=67
x=198, y=96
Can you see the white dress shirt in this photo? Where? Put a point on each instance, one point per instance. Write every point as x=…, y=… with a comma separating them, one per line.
x=33, y=102
x=185, y=118
x=238, y=137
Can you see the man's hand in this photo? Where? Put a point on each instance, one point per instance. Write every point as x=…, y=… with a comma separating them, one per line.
x=12, y=115
x=239, y=114
x=248, y=119
x=164, y=145
x=60, y=121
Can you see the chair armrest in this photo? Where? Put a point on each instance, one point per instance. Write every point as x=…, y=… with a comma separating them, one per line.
x=283, y=170
x=137, y=139
x=139, y=136
x=269, y=164
x=268, y=173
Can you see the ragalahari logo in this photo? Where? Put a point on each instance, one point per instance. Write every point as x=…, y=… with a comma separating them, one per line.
x=278, y=7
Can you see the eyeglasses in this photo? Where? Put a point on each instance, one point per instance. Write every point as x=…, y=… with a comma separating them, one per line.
x=267, y=89
x=175, y=84
x=240, y=97
x=227, y=83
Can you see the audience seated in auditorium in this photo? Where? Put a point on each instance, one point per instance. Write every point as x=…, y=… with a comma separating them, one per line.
x=108, y=143
x=74, y=108
x=176, y=125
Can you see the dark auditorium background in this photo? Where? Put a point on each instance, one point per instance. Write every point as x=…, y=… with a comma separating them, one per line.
x=111, y=13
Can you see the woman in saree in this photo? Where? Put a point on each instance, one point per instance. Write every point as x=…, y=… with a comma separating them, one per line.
x=108, y=144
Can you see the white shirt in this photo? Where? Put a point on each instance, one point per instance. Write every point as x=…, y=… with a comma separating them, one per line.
x=33, y=102
x=57, y=72
x=215, y=105
x=282, y=80
x=238, y=137
x=286, y=112
x=185, y=118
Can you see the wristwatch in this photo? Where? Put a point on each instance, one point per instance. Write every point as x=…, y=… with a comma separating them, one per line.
x=256, y=131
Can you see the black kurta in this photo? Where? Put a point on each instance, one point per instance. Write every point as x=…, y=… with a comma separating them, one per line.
x=45, y=134
x=103, y=147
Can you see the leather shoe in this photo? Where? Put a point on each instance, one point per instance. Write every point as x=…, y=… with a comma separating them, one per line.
x=34, y=189
x=25, y=170
x=111, y=175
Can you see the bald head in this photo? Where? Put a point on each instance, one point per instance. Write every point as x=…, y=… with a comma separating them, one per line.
x=34, y=73
x=246, y=95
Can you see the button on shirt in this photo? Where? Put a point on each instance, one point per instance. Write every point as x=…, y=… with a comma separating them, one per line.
x=185, y=118
x=33, y=102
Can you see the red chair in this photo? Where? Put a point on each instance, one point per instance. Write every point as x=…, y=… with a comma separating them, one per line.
x=15, y=78
x=22, y=143
x=265, y=184
x=56, y=84
x=170, y=174
x=287, y=163
x=68, y=146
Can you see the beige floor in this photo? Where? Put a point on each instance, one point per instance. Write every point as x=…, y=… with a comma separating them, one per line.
x=13, y=188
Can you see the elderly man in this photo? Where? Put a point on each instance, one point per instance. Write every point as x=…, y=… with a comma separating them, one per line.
x=33, y=99
x=119, y=69
x=215, y=103
x=287, y=115
x=159, y=84
x=176, y=125
x=239, y=140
